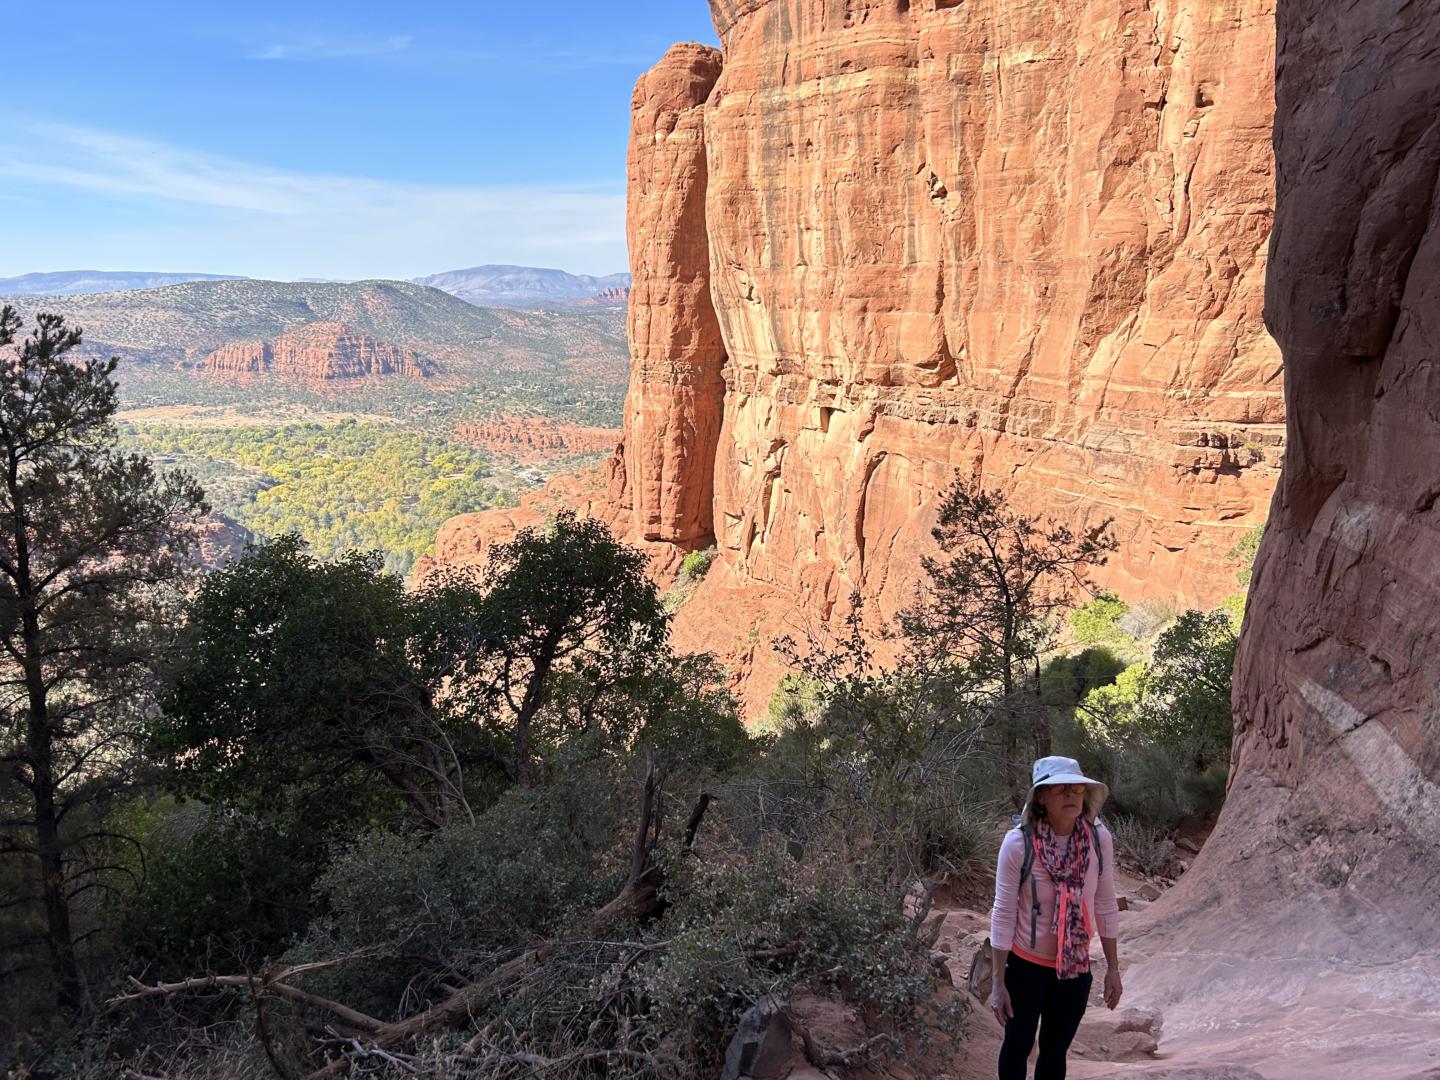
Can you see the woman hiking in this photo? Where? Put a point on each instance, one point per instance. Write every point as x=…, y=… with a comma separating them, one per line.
x=1054, y=888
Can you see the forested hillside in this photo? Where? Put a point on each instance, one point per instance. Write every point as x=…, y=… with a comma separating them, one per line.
x=569, y=364
x=186, y=319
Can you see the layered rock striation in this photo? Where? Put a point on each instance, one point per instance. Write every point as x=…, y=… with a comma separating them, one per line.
x=1019, y=242
x=318, y=351
x=880, y=244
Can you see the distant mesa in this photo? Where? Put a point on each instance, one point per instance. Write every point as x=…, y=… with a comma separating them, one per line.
x=321, y=351
x=239, y=326
x=78, y=282
x=529, y=286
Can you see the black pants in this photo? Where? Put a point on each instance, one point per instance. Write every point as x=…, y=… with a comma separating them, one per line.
x=1040, y=998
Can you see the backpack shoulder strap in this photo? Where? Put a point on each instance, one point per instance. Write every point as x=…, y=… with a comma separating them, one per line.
x=1027, y=867
x=1095, y=846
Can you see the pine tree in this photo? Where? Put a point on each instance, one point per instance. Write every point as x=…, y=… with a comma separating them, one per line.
x=89, y=541
x=993, y=599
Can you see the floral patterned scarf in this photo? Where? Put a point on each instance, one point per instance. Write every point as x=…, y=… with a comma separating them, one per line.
x=1066, y=859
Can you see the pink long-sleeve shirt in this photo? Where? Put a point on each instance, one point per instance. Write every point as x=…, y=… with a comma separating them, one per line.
x=1010, y=918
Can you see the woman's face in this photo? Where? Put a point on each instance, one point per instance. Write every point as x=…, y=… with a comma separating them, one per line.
x=1062, y=800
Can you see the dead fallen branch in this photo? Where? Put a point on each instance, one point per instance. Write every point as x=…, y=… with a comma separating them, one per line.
x=273, y=982
x=824, y=1057
x=269, y=983
x=637, y=902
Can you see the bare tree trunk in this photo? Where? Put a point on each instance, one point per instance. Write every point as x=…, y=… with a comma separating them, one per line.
x=40, y=749
x=529, y=706
x=1041, y=726
x=50, y=853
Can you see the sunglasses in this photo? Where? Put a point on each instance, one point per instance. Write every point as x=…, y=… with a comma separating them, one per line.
x=1070, y=789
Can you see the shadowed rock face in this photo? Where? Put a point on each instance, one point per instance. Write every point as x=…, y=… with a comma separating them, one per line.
x=1019, y=240
x=1339, y=666
x=1337, y=678
x=1311, y=912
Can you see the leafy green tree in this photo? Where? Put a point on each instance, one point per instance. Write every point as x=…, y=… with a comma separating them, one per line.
x=314, y=700
x=89, y=540
x=1114, y=710
x=572, y=606
x=1187, y=699
x=1098, y=622
x=884, y=753
x=224, y=886
x=1066, y=680
x=993, y=599
x=294, y=675
x=1160, y=733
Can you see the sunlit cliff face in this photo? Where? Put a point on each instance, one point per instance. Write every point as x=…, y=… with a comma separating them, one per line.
x=879, y=244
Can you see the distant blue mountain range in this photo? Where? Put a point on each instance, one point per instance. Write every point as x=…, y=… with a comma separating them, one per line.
x=75, y=282
x=484, y=286
x=491, y=286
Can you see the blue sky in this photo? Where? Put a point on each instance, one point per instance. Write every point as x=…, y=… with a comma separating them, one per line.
x=321, y=139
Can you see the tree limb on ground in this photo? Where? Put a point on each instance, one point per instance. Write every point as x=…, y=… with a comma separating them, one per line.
x=824, y=1057
x=638, y=901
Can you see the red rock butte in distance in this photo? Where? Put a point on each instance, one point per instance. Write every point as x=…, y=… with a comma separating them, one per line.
x=318, y=351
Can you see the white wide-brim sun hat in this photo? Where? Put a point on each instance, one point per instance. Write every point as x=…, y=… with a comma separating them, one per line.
x=1064, y=770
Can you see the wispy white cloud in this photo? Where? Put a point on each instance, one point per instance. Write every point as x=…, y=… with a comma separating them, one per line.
x=532, y=59
x=323, y=48
x=326, y=224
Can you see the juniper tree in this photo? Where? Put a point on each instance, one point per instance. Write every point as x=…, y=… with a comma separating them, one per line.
x=295, y=681
x=562, y=618
x=992, y=597
x=89, y=539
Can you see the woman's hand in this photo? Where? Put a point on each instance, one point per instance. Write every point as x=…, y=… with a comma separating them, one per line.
x=1000, y=999
x=1113, y=989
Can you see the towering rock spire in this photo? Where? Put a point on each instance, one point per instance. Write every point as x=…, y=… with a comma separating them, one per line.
x=662, y=475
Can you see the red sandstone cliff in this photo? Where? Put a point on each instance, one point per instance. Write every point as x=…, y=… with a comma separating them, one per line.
x=1025, y=242
x=887, y=242
x=1020, y=241
x=321, y=351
